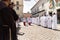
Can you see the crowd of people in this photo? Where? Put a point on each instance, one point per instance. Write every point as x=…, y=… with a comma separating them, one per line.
x=8, y=19
x=47, y=21
x=27, y=20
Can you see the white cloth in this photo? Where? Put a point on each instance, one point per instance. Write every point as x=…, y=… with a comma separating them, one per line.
x=49, y=22
x=37, y=20
x=46, y=21
x=29, y=20
x=54, y=21
x=24, y=19
x=33, y=20
x=43, y=21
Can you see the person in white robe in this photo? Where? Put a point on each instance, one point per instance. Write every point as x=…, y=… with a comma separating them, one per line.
x=43, y=19
x=38, y=21
x=54, y=21
x=29, y=20
x=49, y=22
x=46, y=21
x=24, y=21
x=32, y=20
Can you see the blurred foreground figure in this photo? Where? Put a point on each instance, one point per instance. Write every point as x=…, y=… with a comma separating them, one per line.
x=54, y=21
x=17, y=20
x=15, y=17
x=7, y=22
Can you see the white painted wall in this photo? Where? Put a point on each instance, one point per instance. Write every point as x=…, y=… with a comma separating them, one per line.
x=20, y=11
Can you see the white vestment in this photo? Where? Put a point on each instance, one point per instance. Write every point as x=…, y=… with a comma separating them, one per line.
x=46, y=21
x=42, y=21
x=49, y=22
x=24, y=19
x=33, y=20
x=54, y=22
x=38, y=21
x=29, y=20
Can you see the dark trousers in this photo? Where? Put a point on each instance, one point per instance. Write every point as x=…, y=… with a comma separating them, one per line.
x=29, y=23
x=24, y=23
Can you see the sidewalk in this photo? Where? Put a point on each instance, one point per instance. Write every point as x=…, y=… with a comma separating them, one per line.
x=35, y=32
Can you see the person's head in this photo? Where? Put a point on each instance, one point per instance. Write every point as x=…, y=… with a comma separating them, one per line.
x=11, y=5
x=44, y=13
x=50, y=13
x=7, y=2
x=53, y=13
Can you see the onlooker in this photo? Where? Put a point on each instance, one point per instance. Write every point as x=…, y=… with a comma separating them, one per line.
x=15, y=17
x=7, y=22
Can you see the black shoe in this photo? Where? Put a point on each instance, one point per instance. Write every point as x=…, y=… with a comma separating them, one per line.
x=49, y=28
x=45, y=27
x=20, y=33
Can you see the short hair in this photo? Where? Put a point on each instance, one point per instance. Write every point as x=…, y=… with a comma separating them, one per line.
x=50, y=13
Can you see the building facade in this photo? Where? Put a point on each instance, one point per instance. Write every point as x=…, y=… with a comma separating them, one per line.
x=18, y=7
x=38, y=7
x=46, y=6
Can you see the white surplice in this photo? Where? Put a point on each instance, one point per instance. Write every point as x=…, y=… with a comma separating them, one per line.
x=54, y=21
x=49, y=22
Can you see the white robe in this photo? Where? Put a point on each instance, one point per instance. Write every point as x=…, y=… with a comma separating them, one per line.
x=24, y=19
x=54, y=22
x=41, y=18
x=32, y=20
x=29, y=20
x=38, y=21
x=42, y=21
x=46, y=21
x=49, y=22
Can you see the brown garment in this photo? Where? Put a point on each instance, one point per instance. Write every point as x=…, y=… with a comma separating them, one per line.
x=7, y=19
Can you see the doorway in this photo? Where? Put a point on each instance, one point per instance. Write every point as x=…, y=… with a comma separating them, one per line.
x=58, y=16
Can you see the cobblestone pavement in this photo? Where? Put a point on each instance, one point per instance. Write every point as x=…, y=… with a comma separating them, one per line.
x=35, y=32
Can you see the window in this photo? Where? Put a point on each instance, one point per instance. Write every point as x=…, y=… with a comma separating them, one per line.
x=42, y=4
x=17, y=5
x=17, y=2
x=17, y=8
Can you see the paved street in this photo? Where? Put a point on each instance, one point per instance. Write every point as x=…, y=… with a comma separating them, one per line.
x=35, y=32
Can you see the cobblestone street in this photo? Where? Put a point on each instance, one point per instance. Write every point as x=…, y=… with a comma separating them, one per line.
x=35, y=32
